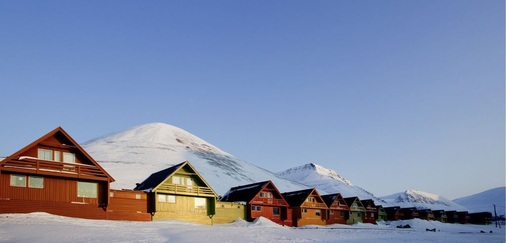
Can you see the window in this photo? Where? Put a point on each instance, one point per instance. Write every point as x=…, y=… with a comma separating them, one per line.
x=137, y=196
x=45, y=154
x=331, y=212
x=262, y=194
x=189, y=182
x=57, y=156
x=259, y=208
x=269, y=195
x=87, y=189
x=176, y=180
x=304, y=210
x=275, y=211
x=36, y=182
x=69, y=157
x=342, y=213
x=318, y=212
x=171, y=198
x=200, y=202
x=18, y=180
x=162, y=198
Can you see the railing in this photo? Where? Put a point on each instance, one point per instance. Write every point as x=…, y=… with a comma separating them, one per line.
x=267, y=200
x=55, y=168
x=315, y=205
x=182, y=189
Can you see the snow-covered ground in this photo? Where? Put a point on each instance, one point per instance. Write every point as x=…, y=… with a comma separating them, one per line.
x=42, y=227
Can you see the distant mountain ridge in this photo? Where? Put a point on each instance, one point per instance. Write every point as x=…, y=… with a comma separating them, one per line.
x=327, y=181
x=484, y=201
x=422, y=200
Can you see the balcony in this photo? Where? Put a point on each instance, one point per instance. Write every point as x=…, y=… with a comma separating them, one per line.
x=187, y=190
x=61, y=169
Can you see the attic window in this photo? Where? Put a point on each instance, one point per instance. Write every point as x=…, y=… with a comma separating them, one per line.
x=45, y=154
x=69, y=157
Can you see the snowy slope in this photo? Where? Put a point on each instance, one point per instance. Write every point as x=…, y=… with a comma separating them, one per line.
x=484, y=201
x=422, y=200
x=132, y=155
x=327, y=181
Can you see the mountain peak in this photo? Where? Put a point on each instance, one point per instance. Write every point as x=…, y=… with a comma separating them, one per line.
x=422, y=200
x=133, y=154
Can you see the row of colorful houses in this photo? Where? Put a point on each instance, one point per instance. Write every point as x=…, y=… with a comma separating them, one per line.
x=54, y=174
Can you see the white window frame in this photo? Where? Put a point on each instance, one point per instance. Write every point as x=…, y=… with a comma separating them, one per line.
x=38, y=179
x=18, y=178
x=200, y=203
x=162, y=198
x=176, y=180
x=85, y=192
x=72, y=157
x=42, y=153
x=171, y=198
x=57, y=156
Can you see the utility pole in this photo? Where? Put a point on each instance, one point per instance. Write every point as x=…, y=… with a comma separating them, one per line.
x=496, y=218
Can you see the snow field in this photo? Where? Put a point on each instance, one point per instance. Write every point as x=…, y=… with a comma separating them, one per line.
x=42, y=227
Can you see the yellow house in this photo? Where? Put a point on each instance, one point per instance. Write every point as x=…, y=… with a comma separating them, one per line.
x=180, y=193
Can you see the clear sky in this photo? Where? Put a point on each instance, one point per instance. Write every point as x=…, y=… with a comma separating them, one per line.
x=393, y=94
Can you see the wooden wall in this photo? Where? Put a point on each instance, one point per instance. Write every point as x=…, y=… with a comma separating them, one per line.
x=228, y=212
x=184, y=209
x=128, y=205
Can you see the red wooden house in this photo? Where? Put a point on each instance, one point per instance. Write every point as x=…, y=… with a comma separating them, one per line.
x=371, y=212
x=262, y=200
x=54, y=174
x=307, y=207
x=338, y=209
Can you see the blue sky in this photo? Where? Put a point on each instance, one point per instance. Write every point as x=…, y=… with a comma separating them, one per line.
x=392, y=94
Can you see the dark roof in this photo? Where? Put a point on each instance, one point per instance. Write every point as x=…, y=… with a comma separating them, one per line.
x=158, y=177
x=351, y=200
x=244, y=193
x=330, y=198
x=296, y=198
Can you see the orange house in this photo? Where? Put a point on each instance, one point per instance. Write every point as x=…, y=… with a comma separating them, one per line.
x=308, y=207
x=54, y=174
x=338, y=209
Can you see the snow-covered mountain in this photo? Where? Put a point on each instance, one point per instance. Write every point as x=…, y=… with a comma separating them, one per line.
x=422, y=200
x=484, y=201
x=132, y=155
x=327, y=181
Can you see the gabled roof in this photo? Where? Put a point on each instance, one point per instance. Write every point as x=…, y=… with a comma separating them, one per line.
x=244, y=193
x=69, y=142
x=296, y=198
x=351, y=200
x=330, y=198
x=156, y=179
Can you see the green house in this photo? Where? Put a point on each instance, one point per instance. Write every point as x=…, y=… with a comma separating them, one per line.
x=357, y=210
x=382, y=214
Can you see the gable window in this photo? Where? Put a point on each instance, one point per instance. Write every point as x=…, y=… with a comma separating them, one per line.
x=262, y=194
x=200, y=202
x=69, y=157
x=87, y=189
x=18, y=180
x=45, y=154
x=176, y=180
x=275, y=211
x=36, y=182
x=189, y=182
x=269, y=195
